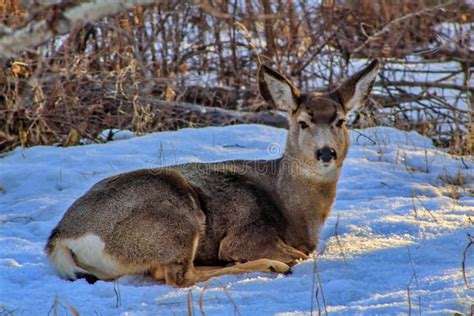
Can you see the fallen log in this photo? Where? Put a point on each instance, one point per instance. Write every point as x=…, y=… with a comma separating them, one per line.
x=206, y=115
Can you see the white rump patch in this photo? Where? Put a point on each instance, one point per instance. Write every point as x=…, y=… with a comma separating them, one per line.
x=61, y=258
x=89, y=251
x=90, y=255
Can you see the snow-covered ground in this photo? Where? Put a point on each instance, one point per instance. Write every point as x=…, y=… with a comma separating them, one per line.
x=393, y=244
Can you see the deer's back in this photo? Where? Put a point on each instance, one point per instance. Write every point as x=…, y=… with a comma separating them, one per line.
x=219, y=198
x=114, y=199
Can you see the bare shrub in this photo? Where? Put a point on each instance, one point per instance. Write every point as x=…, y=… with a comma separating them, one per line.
x=112, y=72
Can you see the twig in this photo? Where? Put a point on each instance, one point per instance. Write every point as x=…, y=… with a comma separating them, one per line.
x=236, y=308
x=413, y=205
x=250, y=41
x=429, y=84
x=339, y=241
x=365, y=136
x=212, y=11
x=415, y=277
x=464, y=259
x=54, y=307
x=425, y=207
x=118, y=295
x=317, y=301
x=390, y=24
x=319, y=288
x=201, y=298
x=409, y=296
x=189, y=302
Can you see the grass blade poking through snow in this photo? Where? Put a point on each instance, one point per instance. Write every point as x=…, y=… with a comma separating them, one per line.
x=471, y=241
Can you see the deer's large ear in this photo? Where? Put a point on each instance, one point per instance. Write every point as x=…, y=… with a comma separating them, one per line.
x=353, y=92
x=276, y=89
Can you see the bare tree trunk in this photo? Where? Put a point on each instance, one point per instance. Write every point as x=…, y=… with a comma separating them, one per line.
x=218, y=116
x=269, y=36
x=470, y=102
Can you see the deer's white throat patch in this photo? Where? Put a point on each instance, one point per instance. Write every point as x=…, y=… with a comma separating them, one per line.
x=320, y=171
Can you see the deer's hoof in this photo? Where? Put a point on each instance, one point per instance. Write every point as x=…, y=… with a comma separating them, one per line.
x=288, y=272
x=279, y=267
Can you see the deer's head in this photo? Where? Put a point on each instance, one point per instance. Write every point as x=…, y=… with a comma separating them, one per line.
x=317, y=138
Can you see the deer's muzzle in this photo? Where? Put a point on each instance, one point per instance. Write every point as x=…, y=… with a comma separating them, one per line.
x=326, y=154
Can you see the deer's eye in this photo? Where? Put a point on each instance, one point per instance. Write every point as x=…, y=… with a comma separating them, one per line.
x=340, y=122
x=303, y=124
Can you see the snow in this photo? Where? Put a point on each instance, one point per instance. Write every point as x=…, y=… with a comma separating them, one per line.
x=394, y=227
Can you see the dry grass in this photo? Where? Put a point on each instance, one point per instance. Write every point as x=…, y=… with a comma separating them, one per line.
x=456, y=185
x=58, y=308
x=317, y=291
x=464, y=261
x=456, y=180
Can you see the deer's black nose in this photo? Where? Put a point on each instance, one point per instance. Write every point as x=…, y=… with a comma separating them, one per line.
x=326, y=154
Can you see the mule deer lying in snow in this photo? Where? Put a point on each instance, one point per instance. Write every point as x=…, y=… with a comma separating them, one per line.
x=184, y=223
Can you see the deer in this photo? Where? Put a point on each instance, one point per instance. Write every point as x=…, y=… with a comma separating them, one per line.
x=188, y=223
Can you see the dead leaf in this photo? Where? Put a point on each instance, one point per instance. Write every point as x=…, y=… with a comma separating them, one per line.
x=73, y=138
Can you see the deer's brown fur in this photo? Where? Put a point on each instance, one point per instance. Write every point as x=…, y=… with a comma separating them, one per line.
x=260, y=215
